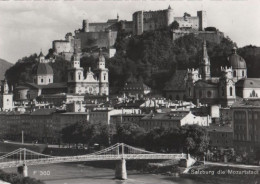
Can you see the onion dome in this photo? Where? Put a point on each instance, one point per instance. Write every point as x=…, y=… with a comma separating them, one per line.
x=236, y=61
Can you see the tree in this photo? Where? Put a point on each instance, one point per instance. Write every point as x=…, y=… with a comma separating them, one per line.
x=129, y=133
x=210, y=29
x=175, y=25
x=154, y=139
x=187, y=14
x=194, y=139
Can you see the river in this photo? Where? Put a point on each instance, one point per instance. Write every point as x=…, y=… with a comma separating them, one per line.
x=76, y=173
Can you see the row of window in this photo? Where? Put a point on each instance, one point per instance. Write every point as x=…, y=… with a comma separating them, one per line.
x=152, y=124
x=240, y=137
x=98, y=115
x=217, y=141
x=209, y=93
x=132, y=88
x=240, y=127
x=241, y=115
x=42, y=80
x=235, y=73
x=79, y=76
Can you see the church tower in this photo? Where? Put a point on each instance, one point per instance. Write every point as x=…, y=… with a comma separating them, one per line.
x=227, y=89
x=193, y=76
x=103, y=75
x=75, y=75
x=6, y=98
x=204, y=66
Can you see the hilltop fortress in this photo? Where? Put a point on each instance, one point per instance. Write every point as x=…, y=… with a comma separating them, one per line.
x=152, y=20
x=93, y=36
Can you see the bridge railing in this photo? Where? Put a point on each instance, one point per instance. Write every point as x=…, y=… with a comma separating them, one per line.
x=115, y=152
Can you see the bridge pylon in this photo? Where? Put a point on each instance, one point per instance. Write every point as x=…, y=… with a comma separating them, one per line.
x=23, y=170
x=120, y=171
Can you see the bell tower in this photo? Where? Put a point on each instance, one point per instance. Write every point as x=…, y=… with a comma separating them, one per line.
x=103, y=75
x=75, y=75
x=227, y=89
x=6, y=98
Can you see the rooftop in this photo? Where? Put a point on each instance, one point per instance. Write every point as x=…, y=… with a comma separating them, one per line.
x=249, y=83
x=129, y=115
x=42, y=69
x=246, y=103
x=202, y=83
x=49, y=86
x=135, y=86
x=236, y=61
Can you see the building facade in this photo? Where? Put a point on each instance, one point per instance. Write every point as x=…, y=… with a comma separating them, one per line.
x=103, y=115
x=96, y=84
x=6, y=97
x=44, y=125
x=173, y=119
x=220, y=137
x=198, y=84
x=246, y=124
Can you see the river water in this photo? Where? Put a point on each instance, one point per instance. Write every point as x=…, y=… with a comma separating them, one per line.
x=76, y=173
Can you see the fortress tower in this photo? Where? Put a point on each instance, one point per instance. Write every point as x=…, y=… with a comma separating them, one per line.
x=85, y=26
x=170, y=15
x=138, y=26
x=202, y=20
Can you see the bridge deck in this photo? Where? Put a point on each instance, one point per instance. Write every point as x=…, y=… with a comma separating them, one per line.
x=83, y=158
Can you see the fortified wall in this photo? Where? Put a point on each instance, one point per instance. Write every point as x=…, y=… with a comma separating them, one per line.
x=66, y=46
x=96, y=39
x=211, y=36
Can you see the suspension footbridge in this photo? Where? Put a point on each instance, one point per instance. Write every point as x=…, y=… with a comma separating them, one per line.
x=119, y=152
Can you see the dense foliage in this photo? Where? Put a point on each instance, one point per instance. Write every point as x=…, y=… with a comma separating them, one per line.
x=251, y=54
x=4, y=65
x=17, y=179
x=22, y=70
x=151, y=57
x=190, y=139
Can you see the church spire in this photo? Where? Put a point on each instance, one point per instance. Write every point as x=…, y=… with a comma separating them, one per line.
x=76, y=55
x=205, y=63
x=205, y=52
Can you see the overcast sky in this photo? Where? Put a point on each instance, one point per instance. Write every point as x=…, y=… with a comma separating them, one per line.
x=27, y=27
